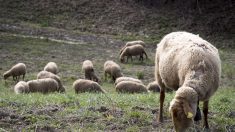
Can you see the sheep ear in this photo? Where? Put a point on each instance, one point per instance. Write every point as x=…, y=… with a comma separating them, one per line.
x=187, y=110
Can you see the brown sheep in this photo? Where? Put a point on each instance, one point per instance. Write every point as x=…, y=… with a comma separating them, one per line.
x=45, y=85
x=130, y=43
x=153, y=86
x=46, y=74
x=133, y=50
x=113, y=69
x=16, y=71
x=88, y=68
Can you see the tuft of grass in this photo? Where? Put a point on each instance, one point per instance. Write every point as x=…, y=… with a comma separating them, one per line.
x=140, y=75
x=228, y=70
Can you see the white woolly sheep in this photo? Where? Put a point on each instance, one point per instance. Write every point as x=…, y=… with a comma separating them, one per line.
x=83, y=85
x=46, y=74
x=45, y=85
x=130, y=87
x=21, y=87
x=133, y=50
x=51, y=67
x=88, y=68
x=186, y=63
x=120, y=79
x=16, y=71
x=130, y=43
x=113, y=69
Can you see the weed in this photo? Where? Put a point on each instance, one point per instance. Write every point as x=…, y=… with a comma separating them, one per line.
x=140, y=75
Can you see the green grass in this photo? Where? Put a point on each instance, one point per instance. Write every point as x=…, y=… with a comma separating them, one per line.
x=85, y=112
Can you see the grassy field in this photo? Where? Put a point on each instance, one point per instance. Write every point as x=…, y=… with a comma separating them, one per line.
x=89, y=111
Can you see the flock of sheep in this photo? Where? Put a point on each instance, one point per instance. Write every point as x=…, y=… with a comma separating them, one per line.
x=184, y=62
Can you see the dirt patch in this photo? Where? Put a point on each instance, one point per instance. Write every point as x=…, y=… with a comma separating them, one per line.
x=46, y=129
x=46, y=110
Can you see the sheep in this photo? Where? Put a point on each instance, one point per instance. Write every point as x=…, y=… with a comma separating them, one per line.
x=44, y=85
x=83, y=85
x=21, y=87
x=51, y=67
x=46, y=74
x=120, y=79
x=16, y=71
x=113, y=69
x=186, y=63
x=88, y=68
x=130, y=87
x=130, y=43
x=153, y=86
x=133, y=50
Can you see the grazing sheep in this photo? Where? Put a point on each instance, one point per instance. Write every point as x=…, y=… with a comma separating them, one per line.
x=88, y=68
x=186, y=63
x=21, y=87
x=51, y=67
x=83, y=85
x=120, y=79
x=130, y=43
x=46, y=74
x=113, y=69
x=133, y=50
x=16, y=71
x=130, y=87
x=45, y=85
x=153, y=86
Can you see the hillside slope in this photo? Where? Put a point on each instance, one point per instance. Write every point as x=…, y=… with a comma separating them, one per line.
x=131, y=17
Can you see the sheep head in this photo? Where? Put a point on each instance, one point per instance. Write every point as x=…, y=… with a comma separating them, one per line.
x=6, y=75
x=121, y=59
x=183, y=108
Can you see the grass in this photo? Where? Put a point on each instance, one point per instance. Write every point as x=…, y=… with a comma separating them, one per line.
x=90, y=111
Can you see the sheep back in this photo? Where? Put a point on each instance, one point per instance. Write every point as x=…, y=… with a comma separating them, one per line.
x=51, y=67
x=45, y=85
x=120, y=79
x=83, y=85
x=130, y=87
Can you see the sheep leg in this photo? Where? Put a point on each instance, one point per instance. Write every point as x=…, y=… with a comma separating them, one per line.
x=127, y=58
x=198, y=113
x=105, y=76
x=14, y=79
x=23, y=76
x=113, y=78
x=146, y=55
x=205, y=112
x=162, y=97
x=142, y=58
